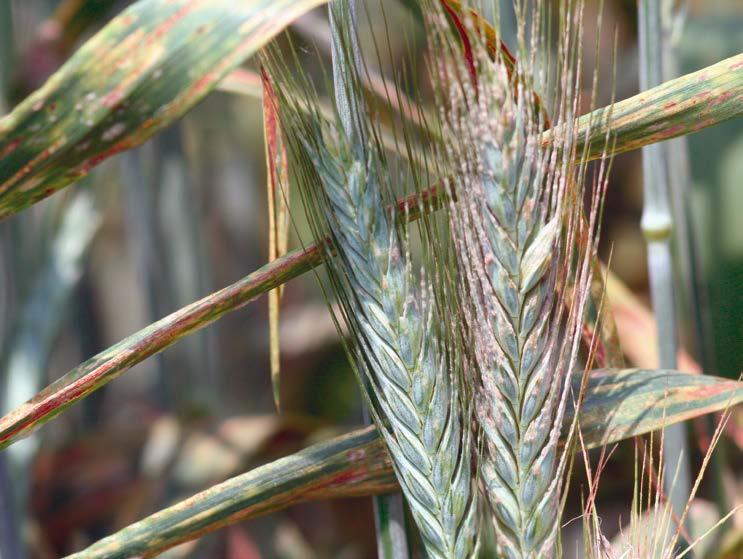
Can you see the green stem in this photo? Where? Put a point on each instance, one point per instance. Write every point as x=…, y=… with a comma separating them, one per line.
x=696, y=298
x=657, y=225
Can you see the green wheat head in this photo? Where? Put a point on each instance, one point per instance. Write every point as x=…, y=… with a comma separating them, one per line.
x=407, y=364
x=523, y=247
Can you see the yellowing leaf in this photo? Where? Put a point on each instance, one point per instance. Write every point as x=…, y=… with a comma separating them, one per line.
x=277, y=183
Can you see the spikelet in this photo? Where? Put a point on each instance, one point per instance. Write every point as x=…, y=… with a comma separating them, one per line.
x=409, y=370
x=516, y=218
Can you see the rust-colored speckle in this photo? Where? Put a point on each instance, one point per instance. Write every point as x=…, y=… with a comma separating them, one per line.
x=169, y=23
x=356, y=455
x=10, y=148
x=720, y=99
x=673, y=131
x=347, y=478
x=95, y=160
x=38, y=105
x=32, y=164
x=202, y=83
x=113, y=98
x=737, y=65
x=701, y=124
x=113, y=132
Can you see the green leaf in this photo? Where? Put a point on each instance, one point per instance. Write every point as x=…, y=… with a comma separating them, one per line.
x=619, y=404
x=277, y=194
x=687, y=104
x=141, y=72
x=349, y=465
x=624, y=403
x=119, y=358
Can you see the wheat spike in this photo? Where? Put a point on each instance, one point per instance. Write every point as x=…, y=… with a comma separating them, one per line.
x=407, y=366
x=515, y=216
x=413, y=390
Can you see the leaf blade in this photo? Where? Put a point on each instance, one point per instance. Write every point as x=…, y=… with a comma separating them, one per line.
x=675, y=108
x=360, y=458
x=350, y=465
x=277, y=194
x=107, y=365
x=629, y=402
x=142, y=71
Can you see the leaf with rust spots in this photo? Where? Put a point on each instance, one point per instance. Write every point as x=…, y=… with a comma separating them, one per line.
x=619, y=404
x=141, y=72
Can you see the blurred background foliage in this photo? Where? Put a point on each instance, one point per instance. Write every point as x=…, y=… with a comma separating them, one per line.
x=157, y=227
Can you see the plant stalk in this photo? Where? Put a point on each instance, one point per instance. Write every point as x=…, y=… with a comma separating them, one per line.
x=657, y=226
x=695, y=295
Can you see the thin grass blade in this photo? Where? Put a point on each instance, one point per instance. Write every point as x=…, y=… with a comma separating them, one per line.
x=107, y=365
x=277, y=194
